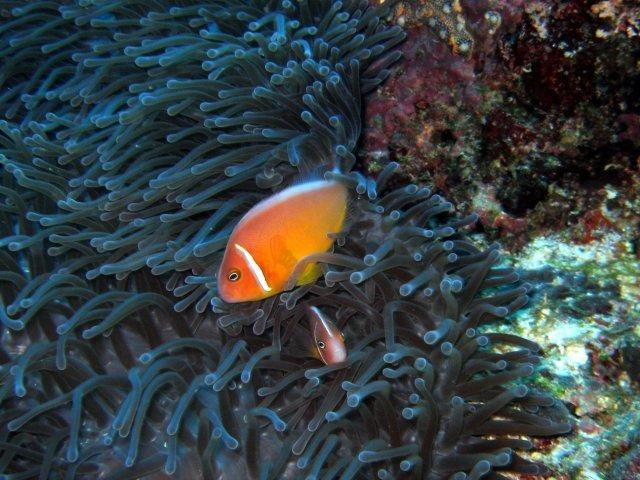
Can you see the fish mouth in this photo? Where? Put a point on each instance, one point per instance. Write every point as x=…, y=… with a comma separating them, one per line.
x=226, y=294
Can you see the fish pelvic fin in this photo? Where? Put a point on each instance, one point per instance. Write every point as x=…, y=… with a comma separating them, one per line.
x=310, y=274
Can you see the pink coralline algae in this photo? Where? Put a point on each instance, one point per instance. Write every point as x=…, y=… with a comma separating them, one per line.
x=543, y=108
x=413, y=95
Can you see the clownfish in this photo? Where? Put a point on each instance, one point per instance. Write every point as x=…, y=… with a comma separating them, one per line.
x=328, y=340
x=274, y=235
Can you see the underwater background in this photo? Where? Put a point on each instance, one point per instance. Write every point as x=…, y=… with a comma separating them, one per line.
x=135, y=134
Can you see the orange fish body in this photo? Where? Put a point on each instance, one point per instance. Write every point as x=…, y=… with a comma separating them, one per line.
x=272, y=237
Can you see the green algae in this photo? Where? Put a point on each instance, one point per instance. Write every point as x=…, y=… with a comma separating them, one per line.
x=582, y=319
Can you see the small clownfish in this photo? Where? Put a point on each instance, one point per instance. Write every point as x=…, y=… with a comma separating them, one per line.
x=273, y=236
x=328, y=340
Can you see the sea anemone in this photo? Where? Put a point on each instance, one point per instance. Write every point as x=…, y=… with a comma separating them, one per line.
x=135, y=135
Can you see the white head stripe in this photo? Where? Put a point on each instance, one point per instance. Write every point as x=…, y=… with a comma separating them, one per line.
x=323, y=321
x=317, y=321
x=254, y=267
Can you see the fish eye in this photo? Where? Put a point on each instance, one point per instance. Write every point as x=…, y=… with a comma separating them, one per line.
x=320, y=344
x=234, y=275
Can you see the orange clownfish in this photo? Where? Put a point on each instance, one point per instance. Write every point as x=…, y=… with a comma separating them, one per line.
x=273, y=236
x=328, y=340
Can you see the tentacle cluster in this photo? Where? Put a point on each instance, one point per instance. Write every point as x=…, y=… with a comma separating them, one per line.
x=426, y=392
x=428, y=389
x=134, y=136
x=147, y=130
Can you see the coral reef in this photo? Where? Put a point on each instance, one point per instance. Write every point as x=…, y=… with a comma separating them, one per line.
x=537, y=130
x=531, y=127
x=446, y=20
x=134, y=136
x=586, y=321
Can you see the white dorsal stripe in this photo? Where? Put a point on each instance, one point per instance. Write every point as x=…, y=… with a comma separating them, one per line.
x=256, y=271
x=323, y=321
x=287, y=194
x=319, y=323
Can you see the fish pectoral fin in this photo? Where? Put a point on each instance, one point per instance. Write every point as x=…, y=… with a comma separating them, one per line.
x=301, y=344
x=280, y=253
x=310, y=274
